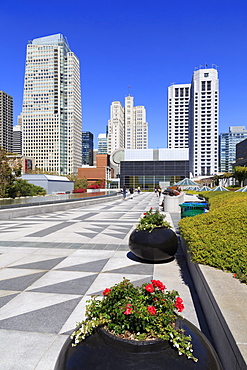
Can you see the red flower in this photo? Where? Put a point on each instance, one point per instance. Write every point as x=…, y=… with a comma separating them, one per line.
x=149, y=288
x=235, y=275
x=128, y=311
x=144, y=214
x=179, y=307
x=128, y=305
x=106, y=291
x=158, y=284
x=179, y=300
x=179, y=304
x=152, y=310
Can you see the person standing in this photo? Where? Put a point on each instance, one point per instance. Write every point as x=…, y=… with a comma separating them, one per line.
x=124, y=192
x=131, y=190
x=138, y=190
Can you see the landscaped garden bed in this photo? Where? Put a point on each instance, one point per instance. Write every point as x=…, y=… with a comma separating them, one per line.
x=219, y=238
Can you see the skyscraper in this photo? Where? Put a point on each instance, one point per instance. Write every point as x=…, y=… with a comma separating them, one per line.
x=178, y=116
x=193, y=120
x=51, y=112
x=203, y=122
x=228, y=142
x=6, y=121
x=87, y=148
x=127, y=126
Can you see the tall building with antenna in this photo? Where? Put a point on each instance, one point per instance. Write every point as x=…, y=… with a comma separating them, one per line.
x=51, y=111
x=127, y=126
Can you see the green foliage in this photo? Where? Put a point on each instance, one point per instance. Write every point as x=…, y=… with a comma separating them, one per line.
x=240, y=173
x=7, y=178
x=78, y=183
x=218, y=238
x=136, y=313
x=151, y=220
x=22, y=188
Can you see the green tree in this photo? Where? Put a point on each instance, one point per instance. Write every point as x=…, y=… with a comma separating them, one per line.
x=226, y=176
x=7, y=177
x=240, y=173
x=78, y=183
x=22, y=188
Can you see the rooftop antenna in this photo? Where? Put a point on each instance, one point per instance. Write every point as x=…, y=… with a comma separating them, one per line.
x=129, y=90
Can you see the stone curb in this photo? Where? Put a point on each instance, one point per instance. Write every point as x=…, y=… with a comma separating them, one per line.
x=224, y=342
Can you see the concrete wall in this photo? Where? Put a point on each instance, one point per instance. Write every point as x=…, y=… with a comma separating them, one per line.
x=224, y=342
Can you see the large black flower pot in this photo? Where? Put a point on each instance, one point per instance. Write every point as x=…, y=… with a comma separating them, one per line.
x=159, y=245
x=103, y=351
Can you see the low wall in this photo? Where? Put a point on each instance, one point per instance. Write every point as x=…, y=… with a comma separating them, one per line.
x=28, y=210
x=224, y=342
x=171, y=203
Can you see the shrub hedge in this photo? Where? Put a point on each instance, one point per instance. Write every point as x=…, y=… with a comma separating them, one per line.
x=219, y=238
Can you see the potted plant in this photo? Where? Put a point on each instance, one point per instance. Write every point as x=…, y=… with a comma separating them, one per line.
x=136, y=328
x=153, y=239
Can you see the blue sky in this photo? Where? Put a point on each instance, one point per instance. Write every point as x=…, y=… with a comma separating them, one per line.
x=143, y=44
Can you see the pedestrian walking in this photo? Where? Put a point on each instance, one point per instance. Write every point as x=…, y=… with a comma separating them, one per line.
x=138, y=190
x=131, y=190
x=124, y=192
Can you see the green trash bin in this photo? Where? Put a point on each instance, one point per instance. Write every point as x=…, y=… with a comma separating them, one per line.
x=191, y=209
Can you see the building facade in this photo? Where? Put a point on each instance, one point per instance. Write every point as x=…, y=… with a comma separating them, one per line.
x=127, y=126
x=241, y=153
x=203, y=122
x=6, y=121
x=178, y=116
x=193, y=120
x=87, y=148
x=102, y=144
x=51, y=112
x=228, y=142
x=17, y=139
x=148, y=168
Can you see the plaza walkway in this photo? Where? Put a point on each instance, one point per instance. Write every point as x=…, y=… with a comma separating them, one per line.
x=52, y=263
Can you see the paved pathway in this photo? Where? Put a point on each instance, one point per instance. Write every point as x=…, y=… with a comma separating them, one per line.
x=50, y=264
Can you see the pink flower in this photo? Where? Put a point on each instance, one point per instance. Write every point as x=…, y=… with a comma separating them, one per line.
x=128, y=311
x=152, y=310
x=106, y=291
x=158, y=284
x=149, y=288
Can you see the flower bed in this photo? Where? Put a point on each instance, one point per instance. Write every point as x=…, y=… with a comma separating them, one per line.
x=218, y=238
x=137, y=313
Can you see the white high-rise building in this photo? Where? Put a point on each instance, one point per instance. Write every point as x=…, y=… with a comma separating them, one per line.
x=178, y=116
x=127, y=127
x=115, y=138
x=203, y=122
x=51, y=112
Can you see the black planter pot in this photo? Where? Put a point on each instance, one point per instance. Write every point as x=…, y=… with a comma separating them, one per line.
x=159, y=245
x=103, y=351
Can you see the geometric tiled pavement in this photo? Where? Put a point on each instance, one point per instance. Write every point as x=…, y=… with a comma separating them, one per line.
x=50, y=264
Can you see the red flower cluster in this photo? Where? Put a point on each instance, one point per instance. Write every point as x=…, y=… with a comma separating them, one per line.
x=179, y=304
x=158, y=284
x=106, y=291
x=149, y=288
x=152, y=310
x=128, y=310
